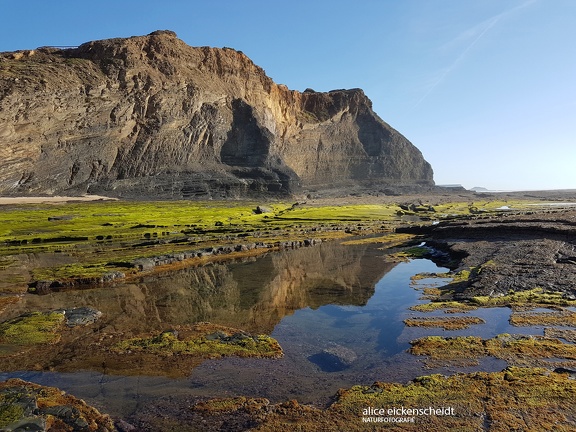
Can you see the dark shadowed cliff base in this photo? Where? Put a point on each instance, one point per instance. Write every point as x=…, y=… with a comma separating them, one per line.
x=151, y=116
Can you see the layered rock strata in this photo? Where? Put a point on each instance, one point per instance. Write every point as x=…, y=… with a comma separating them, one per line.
x=152, y=116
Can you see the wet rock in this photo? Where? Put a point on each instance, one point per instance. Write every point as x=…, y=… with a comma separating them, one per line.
x=570, y=372
x=113, y=275
x=217, y=335
x=334, y=358
x=68, y=414
x=225, y=250
x=26, y=424
x=240, y=248
x=262, y=209
x=144, y=264
x=81, y=316
x=237, y=338
x=44, y=286
x=123, y=426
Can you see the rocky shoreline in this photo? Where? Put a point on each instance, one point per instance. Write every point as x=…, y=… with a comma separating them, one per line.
x=516, y=252
x=519, y=259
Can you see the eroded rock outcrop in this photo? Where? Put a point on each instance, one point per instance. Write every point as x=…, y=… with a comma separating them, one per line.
x=152, y=116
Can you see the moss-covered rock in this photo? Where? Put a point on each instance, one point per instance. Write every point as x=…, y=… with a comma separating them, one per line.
x=34, y=328
x=513, y=399
x=202, y=340
x=26, y=406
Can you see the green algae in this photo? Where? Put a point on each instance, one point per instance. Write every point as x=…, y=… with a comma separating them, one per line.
x=105, y=236
x=447, y=323
x=32, y=329
x=389, y=240
x=9, y=412
x=449, y=306
x=535, y=296
x=345, y=213
x=561, y=318
x=463, y=208
x=515, y=349
x=33, y=225
x=169, y=343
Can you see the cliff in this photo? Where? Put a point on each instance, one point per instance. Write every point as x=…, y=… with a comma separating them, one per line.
x=151, y=116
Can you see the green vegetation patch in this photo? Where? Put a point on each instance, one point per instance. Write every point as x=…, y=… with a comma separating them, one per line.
x=536, y=296
x=568, y=335
x=441, y=348
x=35, y=328
x=105, y=236
x=514, y=399
x=9, y=411
x=206, y=345
x=452, y=209
x=448, y=306
x=389, y=240
x=515, y=349
x=350, y=213
x=35, y=224
x=415, y=252
x=562, y=318
x=447, y=323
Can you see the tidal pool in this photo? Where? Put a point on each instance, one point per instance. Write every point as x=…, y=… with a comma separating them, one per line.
x=337, y=311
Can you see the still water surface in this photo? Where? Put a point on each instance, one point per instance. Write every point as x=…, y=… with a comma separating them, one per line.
x=346, y=299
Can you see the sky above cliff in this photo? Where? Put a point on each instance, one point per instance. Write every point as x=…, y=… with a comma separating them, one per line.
x=486, y=89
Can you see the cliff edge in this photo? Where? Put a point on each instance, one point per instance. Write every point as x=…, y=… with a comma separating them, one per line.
x=150, y=116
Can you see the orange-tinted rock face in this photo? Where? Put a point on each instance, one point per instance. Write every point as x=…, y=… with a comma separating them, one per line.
x=152, y=116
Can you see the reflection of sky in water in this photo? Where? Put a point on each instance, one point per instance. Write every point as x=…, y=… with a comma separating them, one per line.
x=378, y=323
x=374, y=332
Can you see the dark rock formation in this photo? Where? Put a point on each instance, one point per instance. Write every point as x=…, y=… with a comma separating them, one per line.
x=152, y=116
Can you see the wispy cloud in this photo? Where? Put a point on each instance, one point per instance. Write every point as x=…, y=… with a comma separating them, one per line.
x=470, y=38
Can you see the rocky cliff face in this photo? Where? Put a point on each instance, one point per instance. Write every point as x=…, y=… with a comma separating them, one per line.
x=152, y=116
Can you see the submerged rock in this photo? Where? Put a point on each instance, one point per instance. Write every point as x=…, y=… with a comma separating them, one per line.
x=334, y=358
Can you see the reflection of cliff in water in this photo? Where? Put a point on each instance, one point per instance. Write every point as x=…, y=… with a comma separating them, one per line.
x=253, y=296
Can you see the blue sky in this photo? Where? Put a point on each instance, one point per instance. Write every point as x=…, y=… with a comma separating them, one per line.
x=486, y=89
